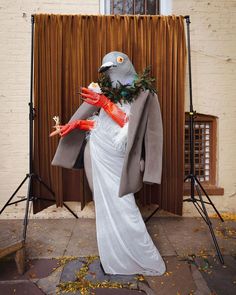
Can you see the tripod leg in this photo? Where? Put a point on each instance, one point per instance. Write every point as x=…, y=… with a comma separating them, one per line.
x=205, y=193
x=49, y=189
x=149, y=217
x=44, y=184
x=28, y=199
x=187, y=177
x=68, y=208
x=199, y=209
x=15, y=192
x=209, y=224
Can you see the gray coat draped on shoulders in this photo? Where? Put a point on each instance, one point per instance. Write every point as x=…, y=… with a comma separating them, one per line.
x=143, y=157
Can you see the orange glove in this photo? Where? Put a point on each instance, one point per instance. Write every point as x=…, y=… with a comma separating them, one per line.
x=78, y=124
x=109, y=107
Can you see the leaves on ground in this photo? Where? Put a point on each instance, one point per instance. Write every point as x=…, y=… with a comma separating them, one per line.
x=85, y=286
x=225, y=216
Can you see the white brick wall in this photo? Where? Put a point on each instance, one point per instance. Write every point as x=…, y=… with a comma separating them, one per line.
x=15, y=36
x=213, y=42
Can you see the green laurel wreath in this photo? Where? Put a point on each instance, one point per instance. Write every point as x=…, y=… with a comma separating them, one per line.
x=127, y=92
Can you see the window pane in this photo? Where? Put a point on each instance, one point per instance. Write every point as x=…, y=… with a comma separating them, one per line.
x=151, y=7
x=202, y=150
x=117, y=6
x=128, y=7
x=134, y=6
x=139, y=7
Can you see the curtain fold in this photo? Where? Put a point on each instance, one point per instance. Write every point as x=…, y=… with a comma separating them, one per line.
x=68, y=51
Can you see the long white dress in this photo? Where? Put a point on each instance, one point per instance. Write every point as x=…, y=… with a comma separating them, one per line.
x=125, y=246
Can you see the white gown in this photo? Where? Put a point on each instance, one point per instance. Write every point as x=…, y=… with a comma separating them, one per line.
x=125, y=246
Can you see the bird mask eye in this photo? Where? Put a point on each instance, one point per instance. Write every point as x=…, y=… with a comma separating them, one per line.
x=120, y=59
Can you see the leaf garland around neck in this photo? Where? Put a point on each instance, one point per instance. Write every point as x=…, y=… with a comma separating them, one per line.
x=127, y=92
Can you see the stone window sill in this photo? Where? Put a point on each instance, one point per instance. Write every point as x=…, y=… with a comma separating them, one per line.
x=209, y=188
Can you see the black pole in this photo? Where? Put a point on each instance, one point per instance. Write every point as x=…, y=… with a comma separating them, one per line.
x=194, y=182
x=31, y=119
x=191, y=112
x=189, y=62
x=31, y=108
x=31, y=175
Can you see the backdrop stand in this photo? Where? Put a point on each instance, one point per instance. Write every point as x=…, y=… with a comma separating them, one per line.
x=152, y=214
x=195, y=183
x=31, y=175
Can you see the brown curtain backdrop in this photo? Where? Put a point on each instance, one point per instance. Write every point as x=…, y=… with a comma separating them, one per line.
x=68, y=51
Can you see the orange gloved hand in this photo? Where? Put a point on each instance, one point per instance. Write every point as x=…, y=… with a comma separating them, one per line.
x=78, y=124
x=109, y=107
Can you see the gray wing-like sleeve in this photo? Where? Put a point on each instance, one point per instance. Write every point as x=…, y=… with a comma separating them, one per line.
x=153, y=143
x=69, y=147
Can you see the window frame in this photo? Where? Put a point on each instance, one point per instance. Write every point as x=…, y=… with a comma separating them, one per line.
x=105, y=6
x=211, y=185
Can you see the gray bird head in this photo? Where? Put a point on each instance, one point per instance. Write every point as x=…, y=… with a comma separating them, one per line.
x=118, y=67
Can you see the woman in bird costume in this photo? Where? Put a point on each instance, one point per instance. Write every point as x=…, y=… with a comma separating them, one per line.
x=120, y=126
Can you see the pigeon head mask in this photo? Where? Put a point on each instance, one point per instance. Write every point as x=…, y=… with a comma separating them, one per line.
x=118, y=67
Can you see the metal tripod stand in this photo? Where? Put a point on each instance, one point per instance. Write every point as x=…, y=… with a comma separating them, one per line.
x=199, y=203
x=31, y=175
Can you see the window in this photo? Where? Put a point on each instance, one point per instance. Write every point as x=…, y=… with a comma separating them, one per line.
x=205, y=131
x=130, y=7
